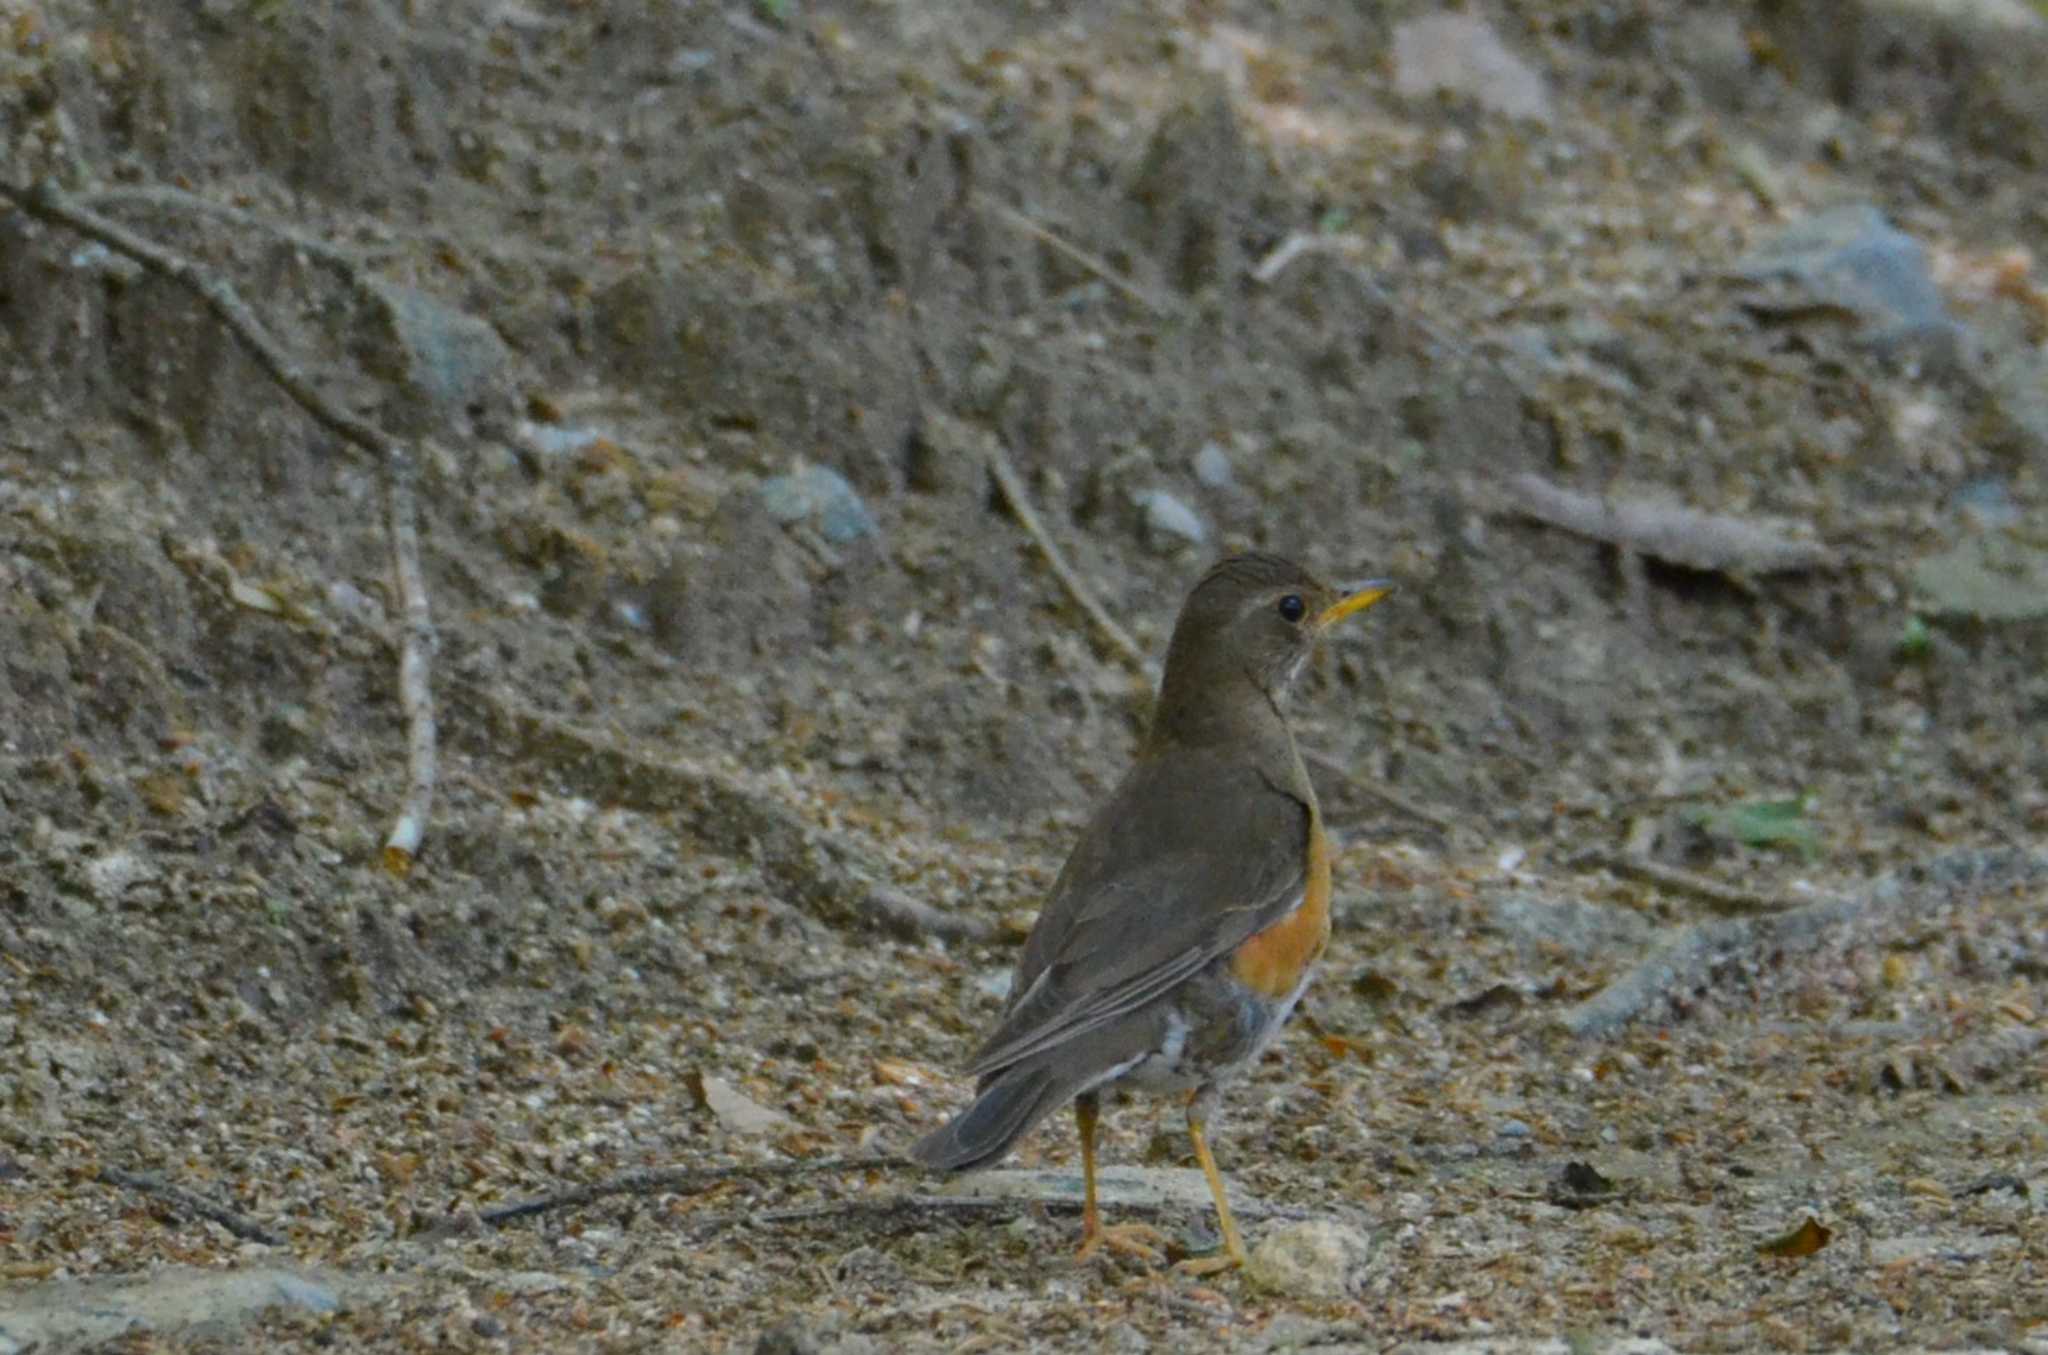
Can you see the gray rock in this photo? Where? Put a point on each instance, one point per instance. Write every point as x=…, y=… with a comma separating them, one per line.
x=1569, y=924
x=822, y=497
x=560, y=439
x=1852, y=258
x=1212, y=467
x=1319, y=1260
x=2012, y=15
x=110, y=874
x=1985, y=502
x=1462, y=54
x=2015, y=381
x=66, y=1314
x=802, y=1336
x=1169, y=524
x=1993, y=577
x=444, y=361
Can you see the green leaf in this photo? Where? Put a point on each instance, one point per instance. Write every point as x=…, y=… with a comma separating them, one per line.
x=1914, y=639
x=1762, y=823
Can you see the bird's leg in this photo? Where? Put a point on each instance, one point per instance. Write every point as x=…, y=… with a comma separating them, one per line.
x=1200, y=1105
x=1134, y=1239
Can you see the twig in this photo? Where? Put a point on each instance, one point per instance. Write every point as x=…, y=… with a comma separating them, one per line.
x=1725, y=899
x=415, y=680
x=1665, y=530
x=1384, y=793
x=1688, y=960
x=192, y=1203
x=162, y=197
x=655, y=1180
x=1305, y=242
x=914, y=1209
x=46, y=202
x=822, y=870
x=1016, y=220
x=1019, y=500
x=1684, y=963
x=1983, y=1057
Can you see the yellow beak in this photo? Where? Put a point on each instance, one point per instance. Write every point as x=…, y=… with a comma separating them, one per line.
x=1365, y=596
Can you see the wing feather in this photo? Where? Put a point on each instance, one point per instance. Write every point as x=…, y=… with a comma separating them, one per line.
x=1189, y=858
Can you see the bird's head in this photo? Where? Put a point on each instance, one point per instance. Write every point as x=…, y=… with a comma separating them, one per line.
x=1245, y=634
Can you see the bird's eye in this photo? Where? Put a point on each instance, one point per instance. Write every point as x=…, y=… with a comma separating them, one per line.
x=1292, y=608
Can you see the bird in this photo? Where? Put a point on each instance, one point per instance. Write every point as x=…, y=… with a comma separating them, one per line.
x=1183, y=929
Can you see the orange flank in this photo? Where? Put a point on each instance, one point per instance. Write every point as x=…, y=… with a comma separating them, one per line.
x=1272, y=962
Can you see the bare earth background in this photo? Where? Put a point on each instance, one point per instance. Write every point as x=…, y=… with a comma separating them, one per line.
x=638, y=274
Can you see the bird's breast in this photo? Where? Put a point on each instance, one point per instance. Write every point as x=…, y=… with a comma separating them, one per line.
x=1273, y=962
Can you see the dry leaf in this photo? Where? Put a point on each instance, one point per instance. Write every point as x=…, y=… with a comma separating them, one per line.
x=737, y=1112
x=1808, y=1238
x=1927, y=1188
x=901, y=1073
x=255, y=597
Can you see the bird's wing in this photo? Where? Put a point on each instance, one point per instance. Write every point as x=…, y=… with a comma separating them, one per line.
x=1187, y=860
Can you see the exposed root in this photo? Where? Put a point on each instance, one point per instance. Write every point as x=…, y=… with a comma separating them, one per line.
x=46, y=202
x=822, y=871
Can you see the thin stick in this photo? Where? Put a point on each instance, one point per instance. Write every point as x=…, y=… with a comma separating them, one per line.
x=911, y=1209
x=1016, y=220
x=1305, y=242
x=1690, y=959
x=1384, y=793
x=1725, y=899
x=822, y=871
x=1663, y=529
x=415, y=679
x=656, y=1180
x=1014, y=494
x=416, y=644
x=192, y=1203
x=166, y=198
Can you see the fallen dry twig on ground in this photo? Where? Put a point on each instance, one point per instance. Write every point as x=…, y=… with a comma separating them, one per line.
x=47, y=203
x=962, y=440
x=655, y=1180
x=192, y=1203
x=911, y=1210
x=1303, y=243
x=1396, y=800
x=1684, y=964
x=821, y=870
x=1659, y=528
x=162, y=197
x=1073, y=253
x=1725, y=899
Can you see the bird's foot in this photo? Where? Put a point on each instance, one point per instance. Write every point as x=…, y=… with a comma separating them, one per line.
x=1140, y=1240
x=1215, y=1263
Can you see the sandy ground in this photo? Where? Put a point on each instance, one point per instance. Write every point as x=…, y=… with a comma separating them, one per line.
x=1692, y=791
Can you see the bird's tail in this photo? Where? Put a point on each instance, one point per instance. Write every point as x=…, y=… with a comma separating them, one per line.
x=1004, y=1111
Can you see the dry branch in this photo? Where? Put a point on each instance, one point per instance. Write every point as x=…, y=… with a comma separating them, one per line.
x=1726, y=899
x=1995, y=1053
x=1303, y=243
x=415, y=678
x=821, y=870
x=416, y=629
x=1686, y=963
x=163, y=198
x=1660, y=528
x=191, y=1203
x=1387, y=795
x=656, y=1180
x=915, y=1210
x=1019, y=499
x=1016, y=220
